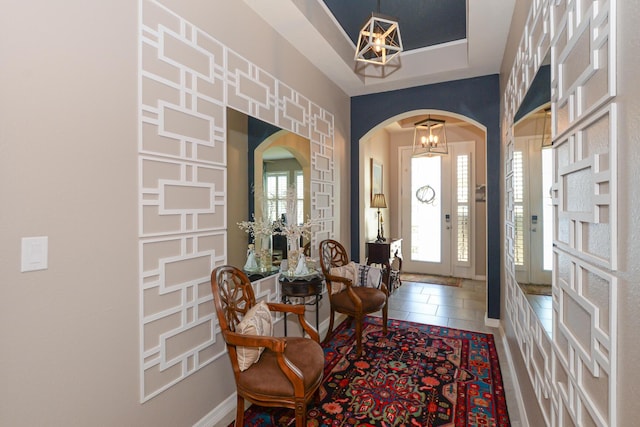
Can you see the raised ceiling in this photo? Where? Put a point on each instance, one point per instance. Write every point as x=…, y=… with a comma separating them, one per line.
x=443, y=39
x=423, y=23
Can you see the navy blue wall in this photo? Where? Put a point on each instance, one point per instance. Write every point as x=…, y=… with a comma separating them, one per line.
x=478, y=99
x=539, y=93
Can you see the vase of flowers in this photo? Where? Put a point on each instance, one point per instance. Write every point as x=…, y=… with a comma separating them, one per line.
x=261, y=231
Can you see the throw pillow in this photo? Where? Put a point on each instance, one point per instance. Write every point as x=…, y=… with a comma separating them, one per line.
x=349, y=271
x=257, y=321
x=369, y=276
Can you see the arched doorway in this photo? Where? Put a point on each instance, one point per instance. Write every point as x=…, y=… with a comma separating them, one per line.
x=460, y=225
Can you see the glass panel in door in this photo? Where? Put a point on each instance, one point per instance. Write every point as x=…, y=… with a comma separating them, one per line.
x=426, y=215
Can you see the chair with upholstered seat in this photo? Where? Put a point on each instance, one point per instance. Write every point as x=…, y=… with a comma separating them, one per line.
x=344, y=296
x=269, y=371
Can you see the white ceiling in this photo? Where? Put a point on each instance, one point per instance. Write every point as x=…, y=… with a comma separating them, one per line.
x=310, y=27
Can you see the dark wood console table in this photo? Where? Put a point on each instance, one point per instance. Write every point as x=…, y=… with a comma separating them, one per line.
x=384, y=253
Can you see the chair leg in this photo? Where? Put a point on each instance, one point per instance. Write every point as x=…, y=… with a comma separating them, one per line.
x=359, y=336
x=301, y=413
x=385, y=316
x=240, y=411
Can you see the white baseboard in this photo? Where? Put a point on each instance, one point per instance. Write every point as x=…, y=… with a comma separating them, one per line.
x=481, y=278
x=524, y=422
x=219, y=413
x=491, y=322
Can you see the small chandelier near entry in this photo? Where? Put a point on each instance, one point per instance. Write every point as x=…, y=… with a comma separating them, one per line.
x=429, y=138
x=379, y=40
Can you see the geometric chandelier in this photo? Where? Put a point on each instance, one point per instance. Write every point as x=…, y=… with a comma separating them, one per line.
x=429, y=138
x=379, y=40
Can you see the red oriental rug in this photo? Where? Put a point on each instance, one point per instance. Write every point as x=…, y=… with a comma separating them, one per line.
x=415, y=375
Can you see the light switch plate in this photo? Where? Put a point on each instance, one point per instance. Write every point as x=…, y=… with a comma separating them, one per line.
x=35, y=253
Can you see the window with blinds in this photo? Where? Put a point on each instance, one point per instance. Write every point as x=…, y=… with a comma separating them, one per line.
x=299, y=197
x=518, y=207
x=276, y=184
x=463, y=208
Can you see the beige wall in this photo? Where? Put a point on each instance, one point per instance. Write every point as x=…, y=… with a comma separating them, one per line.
x=377, y=148
x=68, y=150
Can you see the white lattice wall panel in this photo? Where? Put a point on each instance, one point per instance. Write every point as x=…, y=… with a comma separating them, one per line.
x=573, y=373
x=187, y=79
x=585, y=189
x=585, y=330
x=583, y=78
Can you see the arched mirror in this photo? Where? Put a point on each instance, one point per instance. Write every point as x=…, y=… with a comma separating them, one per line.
x=264, y=162
x=532, y=203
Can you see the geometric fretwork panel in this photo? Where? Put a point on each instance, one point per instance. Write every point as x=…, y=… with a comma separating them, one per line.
x=573, y=372
x=187, y=79
x=584, y=76
x=584, y=192
x=585, y=331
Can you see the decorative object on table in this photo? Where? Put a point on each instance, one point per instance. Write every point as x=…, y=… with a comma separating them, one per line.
x=294, y=232
x=301, y=268
x=251, y=264
x=415, y=374
x=379, y=202
x=429, y=138
x=261, y=231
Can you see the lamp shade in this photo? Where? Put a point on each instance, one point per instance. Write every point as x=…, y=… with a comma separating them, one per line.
x=378, y=201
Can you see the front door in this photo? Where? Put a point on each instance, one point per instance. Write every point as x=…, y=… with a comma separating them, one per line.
x=436, y=208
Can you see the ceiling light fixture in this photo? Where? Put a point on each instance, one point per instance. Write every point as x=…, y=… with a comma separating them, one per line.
x=429, y=138
x=379, y=39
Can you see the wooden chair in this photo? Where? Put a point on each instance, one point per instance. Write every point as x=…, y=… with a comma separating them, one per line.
x=354, y=301
x=289, y=370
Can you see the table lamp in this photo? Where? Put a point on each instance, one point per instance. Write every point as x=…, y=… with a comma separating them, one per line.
x=379, y=202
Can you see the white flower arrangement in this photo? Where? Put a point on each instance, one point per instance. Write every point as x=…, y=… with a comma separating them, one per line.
x=265, y=228
x=258, y=227
x=294, y=230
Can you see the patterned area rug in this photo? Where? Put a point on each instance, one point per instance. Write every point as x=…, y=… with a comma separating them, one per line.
x=415, y=375
x=427, y=278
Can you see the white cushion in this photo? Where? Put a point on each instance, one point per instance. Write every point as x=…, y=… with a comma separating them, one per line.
x=349, y=271
x=369, y=276
x=257, y=321
x=359, y=274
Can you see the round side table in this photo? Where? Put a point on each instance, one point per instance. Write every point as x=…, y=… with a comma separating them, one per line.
x=302, y=288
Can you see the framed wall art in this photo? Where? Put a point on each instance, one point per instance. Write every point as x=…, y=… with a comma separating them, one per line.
x=376, y=178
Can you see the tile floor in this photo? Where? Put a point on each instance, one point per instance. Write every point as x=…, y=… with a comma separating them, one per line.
x=543, y=306
x=458, y=307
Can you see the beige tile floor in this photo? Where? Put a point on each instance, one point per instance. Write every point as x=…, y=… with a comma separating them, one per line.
x=457, y=307
x=543, y=306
